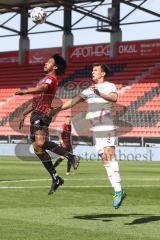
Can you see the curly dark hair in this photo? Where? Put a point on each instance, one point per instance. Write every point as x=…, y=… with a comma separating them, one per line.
x=61, y=64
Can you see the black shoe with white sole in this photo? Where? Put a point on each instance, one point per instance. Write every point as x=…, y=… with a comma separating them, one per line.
x=55, y=184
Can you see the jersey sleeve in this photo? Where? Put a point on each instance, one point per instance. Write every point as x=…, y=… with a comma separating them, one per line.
x=114, y=89
x=111, y=88
x=52, y=84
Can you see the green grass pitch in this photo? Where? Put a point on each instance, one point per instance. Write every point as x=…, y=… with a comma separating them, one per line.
x=82, y=208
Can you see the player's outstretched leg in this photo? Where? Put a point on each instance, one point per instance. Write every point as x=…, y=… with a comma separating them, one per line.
x=112, y=168
x=54, y=147
x=46, y=161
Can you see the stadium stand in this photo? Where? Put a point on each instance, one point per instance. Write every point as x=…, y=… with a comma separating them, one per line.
x=137, y=110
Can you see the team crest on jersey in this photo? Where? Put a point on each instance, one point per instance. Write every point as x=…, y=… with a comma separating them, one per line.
x=48, y=81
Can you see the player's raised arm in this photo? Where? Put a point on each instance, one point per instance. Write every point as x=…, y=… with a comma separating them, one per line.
x=72, y=102
x=39, y=89
x=69, y=104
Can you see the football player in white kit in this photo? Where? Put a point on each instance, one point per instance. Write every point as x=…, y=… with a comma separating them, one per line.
x=100, y=97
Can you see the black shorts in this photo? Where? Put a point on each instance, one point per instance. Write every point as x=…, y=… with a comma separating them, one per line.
x=38, y=121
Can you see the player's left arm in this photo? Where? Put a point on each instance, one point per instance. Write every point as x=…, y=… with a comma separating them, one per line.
x=112, y=96
x=39, y=89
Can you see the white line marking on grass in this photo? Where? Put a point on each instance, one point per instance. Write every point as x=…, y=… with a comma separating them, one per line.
x=23, y=180
x=98, y=186
x=22, y=187
x=76, y=179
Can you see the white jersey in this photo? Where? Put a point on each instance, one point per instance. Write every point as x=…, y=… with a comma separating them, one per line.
x=100, y=110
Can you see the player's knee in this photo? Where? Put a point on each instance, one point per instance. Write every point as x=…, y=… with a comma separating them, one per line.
x=37, y=150
x=105, y=157
x=40, y=143
x=40, y=139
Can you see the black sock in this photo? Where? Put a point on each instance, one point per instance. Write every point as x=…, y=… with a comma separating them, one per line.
x=46, y=160
x=54, y=147
x=57, y=162
x=69, y=165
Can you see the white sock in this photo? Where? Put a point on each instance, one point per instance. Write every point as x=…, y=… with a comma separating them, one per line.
x=112, y=169
x=109, y=173
x=116, y=175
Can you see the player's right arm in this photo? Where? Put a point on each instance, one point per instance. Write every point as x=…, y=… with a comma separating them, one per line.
x=43, y=88
x=72, y=102
x=69, y=104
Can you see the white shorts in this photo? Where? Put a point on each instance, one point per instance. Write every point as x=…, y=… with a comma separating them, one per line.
x=100, y=142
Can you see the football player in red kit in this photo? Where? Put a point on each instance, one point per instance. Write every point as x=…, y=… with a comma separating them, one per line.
x=43, y=95
x=65, y=137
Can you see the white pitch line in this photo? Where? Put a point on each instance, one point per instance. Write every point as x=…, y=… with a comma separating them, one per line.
x=76, y=179
x=100, y=186
x=24, y=180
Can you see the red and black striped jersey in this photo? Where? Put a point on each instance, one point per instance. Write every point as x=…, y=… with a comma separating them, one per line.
x=42, y=102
